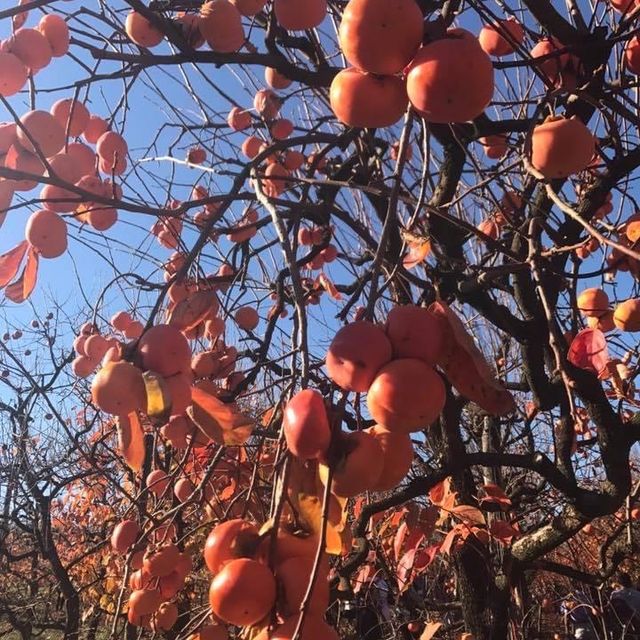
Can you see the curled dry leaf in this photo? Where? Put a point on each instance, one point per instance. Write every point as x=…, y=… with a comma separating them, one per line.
x=223, y=423
x=418, y=251
x=328, y=286
x=22, y=288
x=466, y=368
x=195, y=308
x=10, y=262
x=131, y=440
x=430, y=630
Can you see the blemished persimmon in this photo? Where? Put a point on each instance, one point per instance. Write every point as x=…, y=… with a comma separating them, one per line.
x=247, y=318
x=43, y=129
x=243, y=592
x=397, y=450
x=228, y=541
x=118, y=389
x=13, y=74
x=221, y=26
x=124, y=535
x=95, y=128
x=306, y=425
x=366, y=24
x=141, y=31
x=54, y=28
x=165, y=617
x=293, y=577
x=626, y=315
x=158, y=482
x=72, y=115
x=406, y=395
x=144, y=601
x=315, y=628
x=46, y=231
x=561, y=147
x=415, y=332
x=165, y=350
x=451, y=79
x=298, y=16
x=494, y=43
x=31, y=47
x=161, y=562
x=362, y=465
x=267, y=104
x=363, y=100
x=275, y=79
x=593, y=302
x=356, y=354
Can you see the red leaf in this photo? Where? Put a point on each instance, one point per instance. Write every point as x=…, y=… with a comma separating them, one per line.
x=403, y=570
x=22, y=288
x=328, y=286
x=398, y=540
x=466, y=367
x=495, y=495
x=503, y=531
x=468, y=514
x=588, y=350
x=425, y=557
x=131, y=440
x=438, y=493
x=449, y=540
x=10, y=263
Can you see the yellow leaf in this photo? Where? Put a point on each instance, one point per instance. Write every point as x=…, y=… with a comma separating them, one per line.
x=158, y=396
x=430, y=630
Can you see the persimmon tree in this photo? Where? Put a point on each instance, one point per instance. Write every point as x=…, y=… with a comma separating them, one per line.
x=346, y=296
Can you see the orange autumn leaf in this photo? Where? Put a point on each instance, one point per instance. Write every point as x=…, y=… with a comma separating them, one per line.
x=419, y=250
x=430, y=630
x=222, y=423
x=10, y=262
x=191, y=311
x=131, y=440
x=22, y=288
x=466, y=367
x=328, y=286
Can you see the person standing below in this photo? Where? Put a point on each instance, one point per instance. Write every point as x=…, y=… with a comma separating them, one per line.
x=625, y=601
